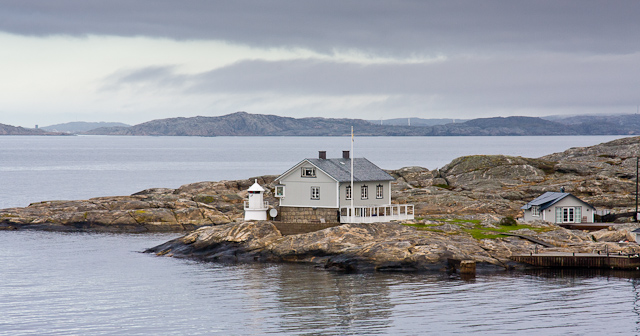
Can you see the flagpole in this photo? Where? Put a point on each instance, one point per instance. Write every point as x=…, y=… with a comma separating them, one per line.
x=352, y=191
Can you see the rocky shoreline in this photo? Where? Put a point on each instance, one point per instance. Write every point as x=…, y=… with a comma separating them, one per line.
x=456, y=207
x=389, y=247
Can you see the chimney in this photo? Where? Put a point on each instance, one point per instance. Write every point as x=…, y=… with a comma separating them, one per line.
x=345, y=154
x=322, y=155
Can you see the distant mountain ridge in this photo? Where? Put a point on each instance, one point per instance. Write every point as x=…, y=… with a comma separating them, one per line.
x=13, y=130
x=81, y=126
x=416, y=121
x=245, y=124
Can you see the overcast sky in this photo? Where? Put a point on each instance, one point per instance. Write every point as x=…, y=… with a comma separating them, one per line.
x=135, y=61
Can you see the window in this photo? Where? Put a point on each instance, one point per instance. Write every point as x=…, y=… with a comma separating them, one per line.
x=364, y=192
x=308, y=172
x=279, y=191
x=379, y=191
x=348, y=192
x=535, y=211
x=315, y=193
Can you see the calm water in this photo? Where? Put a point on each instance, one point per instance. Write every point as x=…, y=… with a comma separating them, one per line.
x=99, y=284
x=34, y=169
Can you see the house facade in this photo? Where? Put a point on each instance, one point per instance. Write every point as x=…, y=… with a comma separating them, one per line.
x=559, y=208
x=319, y=189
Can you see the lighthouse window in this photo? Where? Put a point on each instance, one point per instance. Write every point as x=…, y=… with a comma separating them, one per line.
x=364, y=192
x=315, y=193
x=308, y=172
x=279, y=191
x=379, y=193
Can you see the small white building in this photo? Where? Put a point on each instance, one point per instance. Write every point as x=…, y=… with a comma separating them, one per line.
x=560, y=208
x=320, y=190
x=255, y=208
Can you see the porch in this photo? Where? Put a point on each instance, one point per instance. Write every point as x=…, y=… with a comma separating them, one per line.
x=376, y=214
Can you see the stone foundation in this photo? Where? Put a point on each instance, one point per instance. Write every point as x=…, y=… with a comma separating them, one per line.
x=308, y=215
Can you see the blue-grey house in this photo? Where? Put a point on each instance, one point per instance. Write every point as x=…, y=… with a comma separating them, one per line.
x=558, y=207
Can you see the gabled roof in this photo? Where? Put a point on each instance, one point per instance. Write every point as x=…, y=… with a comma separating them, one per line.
x=550, y=198
x=340, y=170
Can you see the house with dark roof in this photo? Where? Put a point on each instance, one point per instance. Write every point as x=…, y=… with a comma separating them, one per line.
x=321, y=190
x=558, y=207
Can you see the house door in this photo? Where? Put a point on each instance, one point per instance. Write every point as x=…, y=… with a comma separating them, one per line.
x=568, y=215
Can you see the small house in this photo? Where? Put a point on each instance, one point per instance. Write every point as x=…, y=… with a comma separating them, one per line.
x=321, y=190
x=636, y=235
x=558, y=207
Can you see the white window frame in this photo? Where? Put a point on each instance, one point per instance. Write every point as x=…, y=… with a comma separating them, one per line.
x=348, y=193
x=364, y=192
x=279, y=192
x=535, y=211
x=379, y=191
x=308, y=172
x=315, y=193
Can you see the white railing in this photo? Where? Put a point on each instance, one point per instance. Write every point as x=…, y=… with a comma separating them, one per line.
x=376, y=214
x=264, y=206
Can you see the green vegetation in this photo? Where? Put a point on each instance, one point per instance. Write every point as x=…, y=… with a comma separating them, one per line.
x=477, y=231
x=457, y=220
x=444, y=186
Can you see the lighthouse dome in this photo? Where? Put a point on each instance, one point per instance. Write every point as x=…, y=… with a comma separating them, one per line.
x=256, y=187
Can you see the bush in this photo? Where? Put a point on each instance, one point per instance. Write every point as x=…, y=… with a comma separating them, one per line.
x=508, y=221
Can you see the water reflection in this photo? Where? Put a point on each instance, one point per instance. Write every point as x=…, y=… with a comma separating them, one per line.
x=332, y=302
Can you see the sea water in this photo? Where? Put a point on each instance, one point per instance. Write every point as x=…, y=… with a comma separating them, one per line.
x=36, y=168
x=100, y=284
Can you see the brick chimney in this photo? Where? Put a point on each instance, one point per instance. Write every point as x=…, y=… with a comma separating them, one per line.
x=345, y=154
x=322, y=155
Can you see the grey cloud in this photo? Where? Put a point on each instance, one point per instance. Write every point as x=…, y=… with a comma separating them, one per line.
x=541, y=81
x=152, y=76
x=383, y=27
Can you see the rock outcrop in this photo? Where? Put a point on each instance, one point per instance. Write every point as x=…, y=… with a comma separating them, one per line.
x=379, y=247
x=152, y=210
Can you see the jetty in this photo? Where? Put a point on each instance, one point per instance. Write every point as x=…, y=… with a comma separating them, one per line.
x=580, y=260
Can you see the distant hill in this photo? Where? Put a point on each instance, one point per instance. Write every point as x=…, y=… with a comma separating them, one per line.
x=416, y=121
x=242, y=124
x=81, y=126
x=245, y=124
x=13, y=130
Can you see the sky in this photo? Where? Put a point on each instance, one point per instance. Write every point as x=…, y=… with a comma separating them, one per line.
x=135, y=61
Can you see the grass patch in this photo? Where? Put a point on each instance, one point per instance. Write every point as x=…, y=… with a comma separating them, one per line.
x=480, y=232
x=456, y=220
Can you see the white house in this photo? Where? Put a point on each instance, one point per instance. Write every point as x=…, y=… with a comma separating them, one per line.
x=558, y=207
x=320, y=190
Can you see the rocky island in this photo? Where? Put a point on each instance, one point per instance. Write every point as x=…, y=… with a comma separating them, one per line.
x=458, y=213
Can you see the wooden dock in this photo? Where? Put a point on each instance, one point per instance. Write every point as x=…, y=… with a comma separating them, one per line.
x=580, y=260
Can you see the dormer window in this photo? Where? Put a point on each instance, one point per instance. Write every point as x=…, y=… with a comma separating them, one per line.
x=308, y=172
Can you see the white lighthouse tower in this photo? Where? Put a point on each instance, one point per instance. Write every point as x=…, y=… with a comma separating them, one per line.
x=255, y=208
